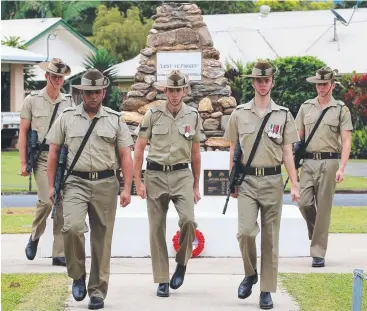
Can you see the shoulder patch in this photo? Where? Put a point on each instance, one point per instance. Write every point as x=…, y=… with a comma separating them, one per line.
x=34, y=93
x=69, y=109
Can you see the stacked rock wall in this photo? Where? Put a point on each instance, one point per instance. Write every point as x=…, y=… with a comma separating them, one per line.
x=180, y=27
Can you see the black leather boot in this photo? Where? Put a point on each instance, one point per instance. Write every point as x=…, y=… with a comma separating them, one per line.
x=95, y=303
x=318, y=262
x=31, y=248
x=59, y=261
x=163, y=290
x=265, y=301
x=178, y=277
x=79, y=289
x=245, y=288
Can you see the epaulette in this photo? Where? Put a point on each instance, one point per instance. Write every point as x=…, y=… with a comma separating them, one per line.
x=112, y=111
x=340, y=103
x=68, y=95
x=69, y=109
x=34, y=93
x=192, y=109
x=308, y=101
x=153, y=109
x=241, y=106
x=283, y=108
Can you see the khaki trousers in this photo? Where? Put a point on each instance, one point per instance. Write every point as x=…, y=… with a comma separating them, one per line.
x=43, y=209
x=317, y=188
x=162, y=187
x=264, y=194
x=98, y=199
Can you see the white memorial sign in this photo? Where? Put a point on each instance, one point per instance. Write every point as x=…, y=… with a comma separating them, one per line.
x=189, y=63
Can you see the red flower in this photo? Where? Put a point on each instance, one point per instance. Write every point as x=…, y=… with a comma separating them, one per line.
x=197, y=250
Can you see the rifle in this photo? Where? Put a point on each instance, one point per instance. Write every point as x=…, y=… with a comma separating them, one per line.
x=237, y=175
x=32, y=153
x=298, y=155
x=59, y=178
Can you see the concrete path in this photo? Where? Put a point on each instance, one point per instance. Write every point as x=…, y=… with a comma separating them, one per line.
x=210, y=283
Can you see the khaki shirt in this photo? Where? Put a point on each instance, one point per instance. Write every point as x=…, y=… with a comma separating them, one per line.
x=327, y=135
x=99, y=153
x=171, y=138
x=38, y=108
x=244, y=124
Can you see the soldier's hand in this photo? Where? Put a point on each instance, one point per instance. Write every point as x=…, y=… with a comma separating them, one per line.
x=295, y=193
x=125, y=198
x=235, y=194
x=23, y=169
x=51, y=194
x=197, y=195
x=140, y=190
x=339, y=177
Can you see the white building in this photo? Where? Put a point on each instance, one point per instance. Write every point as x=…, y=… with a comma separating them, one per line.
x=52, y=37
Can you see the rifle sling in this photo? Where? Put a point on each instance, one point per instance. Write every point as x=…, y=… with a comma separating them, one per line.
x=49, y=126
x=257, y=140
x=315, y=127
x=81, y=147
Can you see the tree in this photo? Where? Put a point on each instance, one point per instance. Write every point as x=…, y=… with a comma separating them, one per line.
x=295, y=5
x=65, y=9
x=122, y=36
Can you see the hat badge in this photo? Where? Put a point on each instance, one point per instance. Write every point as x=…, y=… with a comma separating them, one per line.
x=175, y=83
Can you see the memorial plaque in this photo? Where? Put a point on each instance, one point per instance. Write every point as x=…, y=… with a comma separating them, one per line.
x=216, y=182
x=133, y=186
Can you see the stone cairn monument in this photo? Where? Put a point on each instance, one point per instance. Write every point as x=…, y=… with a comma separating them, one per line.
x=180, y=27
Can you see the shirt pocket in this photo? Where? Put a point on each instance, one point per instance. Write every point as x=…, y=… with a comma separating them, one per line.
x=75, y=138
x=109, y=136
x=188, y=135
x=332, y=124
x=39, y=119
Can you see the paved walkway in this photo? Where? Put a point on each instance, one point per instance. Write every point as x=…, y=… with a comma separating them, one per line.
x=210, y=283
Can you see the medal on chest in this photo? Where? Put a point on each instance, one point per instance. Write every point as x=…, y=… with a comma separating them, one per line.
x=274, y=131
x=187, y=131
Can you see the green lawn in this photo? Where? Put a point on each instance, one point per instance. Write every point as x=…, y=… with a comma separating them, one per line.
x=343, y=220
x=322, y=291
x=34, y=291
x=17, y=220
x=11, y=181
x=348, y=219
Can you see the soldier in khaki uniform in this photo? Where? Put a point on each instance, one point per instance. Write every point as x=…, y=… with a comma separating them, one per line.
x=174, y=131
x=262, y=188
x=36, y=114
x=92, y=186
x=320, y=170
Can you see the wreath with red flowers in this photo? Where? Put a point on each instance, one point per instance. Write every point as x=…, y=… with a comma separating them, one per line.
x=199, y=241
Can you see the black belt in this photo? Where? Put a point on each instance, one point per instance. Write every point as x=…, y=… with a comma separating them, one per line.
x=322, y=155
x=94, y=175
x=153, y=166
x=265, y=171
